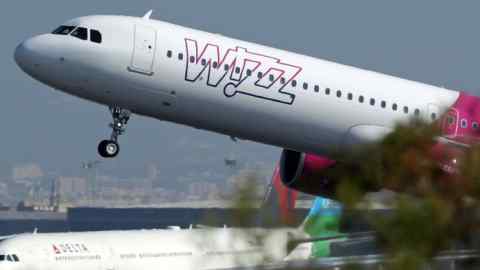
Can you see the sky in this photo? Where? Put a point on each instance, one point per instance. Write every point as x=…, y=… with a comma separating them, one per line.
x=434, y=41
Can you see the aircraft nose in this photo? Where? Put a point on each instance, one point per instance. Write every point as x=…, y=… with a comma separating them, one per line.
x=25, y=54
x=31, y=53
x=20, y=55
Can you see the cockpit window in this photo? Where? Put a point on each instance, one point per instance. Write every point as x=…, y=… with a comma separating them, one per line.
x=10, y=258
x=95, y=36
x=63, y=30
x=80, y=33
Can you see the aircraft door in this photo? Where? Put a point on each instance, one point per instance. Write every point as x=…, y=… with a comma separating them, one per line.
x=143, y=56
x=450, y=123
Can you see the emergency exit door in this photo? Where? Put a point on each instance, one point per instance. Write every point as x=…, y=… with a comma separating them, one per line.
x=450, y=123
x=143, y=56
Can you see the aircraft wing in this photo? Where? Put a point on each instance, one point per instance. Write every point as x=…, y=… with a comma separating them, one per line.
x=5, y=237
x=339, y=237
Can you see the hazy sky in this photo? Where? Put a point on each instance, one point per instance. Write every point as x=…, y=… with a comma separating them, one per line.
x=436, y=42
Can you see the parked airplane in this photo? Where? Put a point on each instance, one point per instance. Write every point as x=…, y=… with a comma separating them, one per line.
x=314, y=109
x=175, y=249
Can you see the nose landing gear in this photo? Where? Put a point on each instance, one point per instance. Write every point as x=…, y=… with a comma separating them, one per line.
x=110, y=148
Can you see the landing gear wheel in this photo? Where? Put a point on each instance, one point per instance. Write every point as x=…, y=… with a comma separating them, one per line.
x=108, y=149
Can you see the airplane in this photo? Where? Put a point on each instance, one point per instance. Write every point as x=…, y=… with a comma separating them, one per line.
x=211, y=248
x=315, y=110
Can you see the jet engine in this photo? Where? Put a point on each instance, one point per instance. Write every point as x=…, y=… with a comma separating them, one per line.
x=318, y=175
x=307, y=173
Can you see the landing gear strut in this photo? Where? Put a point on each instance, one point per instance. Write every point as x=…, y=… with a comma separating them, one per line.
x=110, y=148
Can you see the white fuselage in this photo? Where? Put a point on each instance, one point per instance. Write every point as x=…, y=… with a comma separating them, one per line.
x=264, y=94
x=147, y=249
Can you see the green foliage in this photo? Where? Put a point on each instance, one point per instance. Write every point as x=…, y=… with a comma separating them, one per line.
x=439, y=188
x=244, y=200
x=437, y=204
x=417, y=228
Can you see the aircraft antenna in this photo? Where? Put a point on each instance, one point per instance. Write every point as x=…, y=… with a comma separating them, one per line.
x=148, y=15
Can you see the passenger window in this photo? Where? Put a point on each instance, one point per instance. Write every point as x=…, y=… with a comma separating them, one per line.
x=339, y=93
x=475, y=125
x=305, y=86
x=350, y=96
x=249, y=72
x=372, y=101
x=464, y=123
x=80, y=33
x=226, y=67
x=63, y=30
x=260, y=75
x=237, y=70
x=169, y=54
x=271, y=77
x=294, y=83
x=433, y=116
x=180, y=56
x=282, y=80
x=15, y=258
x=2, y=258
x=9, y=258
x=417, y=112
x=204, y=62
x=215, y=64
x=394, y=106
x=192, y=59
x=360, y=99
x=316, y=88
x=327, y=91
x=95, y=36
x=405, y=109
x=383, y=104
